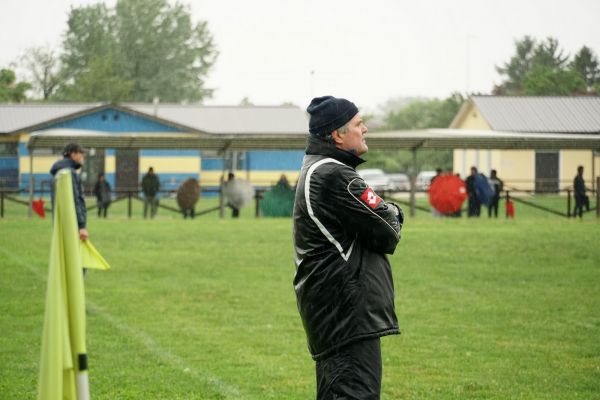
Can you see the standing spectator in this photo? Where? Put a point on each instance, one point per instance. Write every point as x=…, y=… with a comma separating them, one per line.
x=235, y=211
x=150, y=187
x=579, y=190
x=73, y=158
x=342, y=233
x=102, y=192
x=497, y=185
x=474, y=202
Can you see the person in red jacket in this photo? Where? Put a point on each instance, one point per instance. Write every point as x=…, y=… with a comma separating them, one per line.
x=342, y=233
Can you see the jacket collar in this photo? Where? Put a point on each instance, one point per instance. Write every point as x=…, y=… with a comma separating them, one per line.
x=318, y=146
x=64, y=163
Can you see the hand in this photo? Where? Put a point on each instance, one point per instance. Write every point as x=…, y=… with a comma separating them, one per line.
x=83, y=234
x=399, y=213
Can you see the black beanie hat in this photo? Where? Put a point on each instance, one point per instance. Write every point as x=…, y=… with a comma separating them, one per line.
x=328, y=113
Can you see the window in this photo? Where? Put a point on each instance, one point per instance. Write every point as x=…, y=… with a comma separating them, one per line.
x=8, y=149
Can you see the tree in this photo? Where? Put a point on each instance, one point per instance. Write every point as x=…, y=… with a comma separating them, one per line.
x=585, y=63
x=548, y=54
x=44, y=69
x=418, y=114
x=548, y=81
x=423, y=114
x=10, y=91
x=152, y=44
x=98, y=82
x=531, y=58
x=517, y=67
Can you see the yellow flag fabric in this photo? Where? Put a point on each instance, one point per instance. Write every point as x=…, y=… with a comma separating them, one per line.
x=90, y=257
x=63, y=355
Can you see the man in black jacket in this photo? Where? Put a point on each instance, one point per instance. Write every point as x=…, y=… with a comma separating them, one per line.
x=342, y=233
x=73, y=158
x=579, y=190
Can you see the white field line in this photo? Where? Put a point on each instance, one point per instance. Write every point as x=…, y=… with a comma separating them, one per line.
x=224, y=388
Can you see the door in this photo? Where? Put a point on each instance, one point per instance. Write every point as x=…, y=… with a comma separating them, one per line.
x=127, y=161
x=546, y=171
x=94, y=164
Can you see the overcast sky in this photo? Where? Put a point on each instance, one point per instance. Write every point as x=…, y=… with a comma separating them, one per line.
x=275, y=51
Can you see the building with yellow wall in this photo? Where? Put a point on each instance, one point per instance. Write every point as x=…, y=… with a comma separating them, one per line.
x=539, y=170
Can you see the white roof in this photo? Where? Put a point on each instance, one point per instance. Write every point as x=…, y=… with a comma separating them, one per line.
x=544, y=114
x=196, y=118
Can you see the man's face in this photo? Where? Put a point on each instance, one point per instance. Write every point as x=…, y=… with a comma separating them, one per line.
x=79, y=158
x=354, y=139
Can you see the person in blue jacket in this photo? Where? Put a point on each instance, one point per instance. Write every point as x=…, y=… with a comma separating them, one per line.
x=73, y=158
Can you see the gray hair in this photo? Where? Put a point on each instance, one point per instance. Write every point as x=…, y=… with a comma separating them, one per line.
x=342, y=129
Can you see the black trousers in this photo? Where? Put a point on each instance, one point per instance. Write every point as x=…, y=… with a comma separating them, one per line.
x=353, y=372
x=474, y=207
x=494, y=207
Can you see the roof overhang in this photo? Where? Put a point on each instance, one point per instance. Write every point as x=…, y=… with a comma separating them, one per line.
x=392, y=140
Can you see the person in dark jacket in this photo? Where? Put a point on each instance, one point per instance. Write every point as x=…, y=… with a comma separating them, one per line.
x=474, y=201
x=579, y=190
x=150, y=187
x=73, y=158
x=496, y=184
x=342, y=233
x=102, y=192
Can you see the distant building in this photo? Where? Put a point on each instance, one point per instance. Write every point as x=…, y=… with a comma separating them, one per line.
x=538, y=170
x=125, y=167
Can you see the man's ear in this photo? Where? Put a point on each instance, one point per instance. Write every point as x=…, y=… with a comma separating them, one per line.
x=336, y=136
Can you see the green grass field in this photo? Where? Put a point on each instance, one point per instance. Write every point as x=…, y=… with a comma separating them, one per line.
x=205, y=309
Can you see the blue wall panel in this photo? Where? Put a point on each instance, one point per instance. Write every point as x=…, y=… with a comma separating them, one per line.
x=42, y=180
x=212, y=164
x=113, y=120
x=9, y=162
x=275, y=160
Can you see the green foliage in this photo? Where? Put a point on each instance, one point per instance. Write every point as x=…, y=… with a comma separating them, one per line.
x=548, y=81
x=402, y=161
x=542, y=68
x=417, y=114
x=205, y=309
x=10, y=91
x=517, y=67
x=154, y=49
x=99, y=82
x=423, y=114
x=586, y=63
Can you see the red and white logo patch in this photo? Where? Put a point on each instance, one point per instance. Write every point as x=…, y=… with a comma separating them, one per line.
x=370, y=198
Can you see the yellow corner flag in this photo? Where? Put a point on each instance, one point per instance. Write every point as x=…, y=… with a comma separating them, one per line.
x=90, y=257
x=63, y=365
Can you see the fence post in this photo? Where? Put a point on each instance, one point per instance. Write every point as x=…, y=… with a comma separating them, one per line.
x=568, y=203
x=221, y=196
x=258, y=197
x=129, y=204
x=598, y=197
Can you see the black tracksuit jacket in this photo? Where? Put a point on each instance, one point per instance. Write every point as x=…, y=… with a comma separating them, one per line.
x=342, y=233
